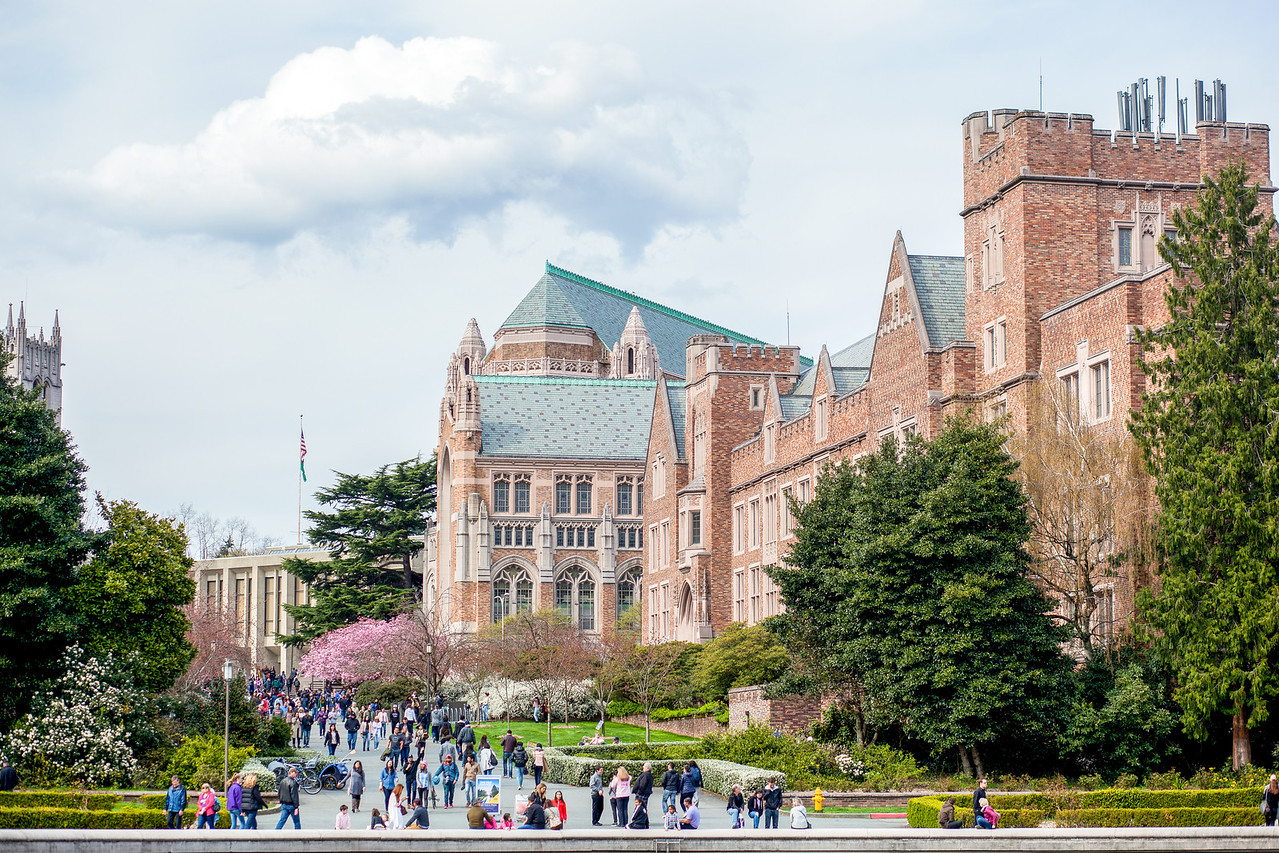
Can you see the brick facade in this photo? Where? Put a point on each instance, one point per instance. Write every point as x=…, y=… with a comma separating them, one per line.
x=748, y=706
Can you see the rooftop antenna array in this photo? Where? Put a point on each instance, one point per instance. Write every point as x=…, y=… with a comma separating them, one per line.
x=1137, y=112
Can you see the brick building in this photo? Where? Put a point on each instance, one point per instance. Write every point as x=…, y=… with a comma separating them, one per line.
x=609, y=452
x=1059, y=268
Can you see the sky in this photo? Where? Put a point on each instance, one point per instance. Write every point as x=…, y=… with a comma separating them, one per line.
x=250, y=211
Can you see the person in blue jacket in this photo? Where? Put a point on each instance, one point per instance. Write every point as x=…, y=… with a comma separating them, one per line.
x=175, y=803
x=446, y=773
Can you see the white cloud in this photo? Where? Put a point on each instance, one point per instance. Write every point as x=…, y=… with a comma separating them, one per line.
x=442, y=132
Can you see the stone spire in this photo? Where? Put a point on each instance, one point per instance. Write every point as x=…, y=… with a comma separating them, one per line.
x=9, y=328
x=634, y=356
x=56, y=335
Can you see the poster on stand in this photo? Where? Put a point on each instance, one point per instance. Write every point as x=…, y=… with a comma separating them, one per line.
x=489, y=789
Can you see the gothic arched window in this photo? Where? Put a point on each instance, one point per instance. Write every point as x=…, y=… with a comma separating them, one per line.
x=466, y=366
x=628, y=590
x=630, y=360
x=575, y=597
x=512, y=592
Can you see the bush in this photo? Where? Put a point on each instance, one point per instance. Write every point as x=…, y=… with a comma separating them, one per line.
x=1127, y=798
x=710, y=709
x=266, y=779
x=1160, y=817
x=58, y=800
x=1027, y=810
x=62, y=818
x=199, y=759
x=623, y=708
x=387, y=693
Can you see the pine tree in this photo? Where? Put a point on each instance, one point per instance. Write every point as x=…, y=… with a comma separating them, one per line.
x=373, y=530
x=41, y=543
x=1209, y=429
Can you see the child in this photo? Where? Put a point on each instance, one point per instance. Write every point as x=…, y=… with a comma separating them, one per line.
x=672, y=819
x=343, y=820
x=376, y=821
x=507, y=823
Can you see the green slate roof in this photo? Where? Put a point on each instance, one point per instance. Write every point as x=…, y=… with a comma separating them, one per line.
x=552, y=417
x=939, y=284
x=564, y=298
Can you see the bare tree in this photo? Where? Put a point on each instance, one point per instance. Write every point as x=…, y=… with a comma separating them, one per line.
x=217, y=637
x=543, y=650
x=1089, y=510
x=608, y=669
x=651, y=673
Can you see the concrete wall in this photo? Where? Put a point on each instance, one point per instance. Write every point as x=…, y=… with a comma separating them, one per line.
x=1210, y=839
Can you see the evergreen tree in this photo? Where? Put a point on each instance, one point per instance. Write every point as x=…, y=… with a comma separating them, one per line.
x=41, y=542
x=918, y=590
x=130, y=595
x=1208, y=432
x=373, y=529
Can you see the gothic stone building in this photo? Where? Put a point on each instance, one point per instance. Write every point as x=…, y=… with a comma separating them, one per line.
x=609, y=452
x=35, y=363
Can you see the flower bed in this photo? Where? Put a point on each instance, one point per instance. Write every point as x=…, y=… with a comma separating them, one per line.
x=1112, y=807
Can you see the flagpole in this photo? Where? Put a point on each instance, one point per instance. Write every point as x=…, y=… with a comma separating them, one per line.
x=300, y=432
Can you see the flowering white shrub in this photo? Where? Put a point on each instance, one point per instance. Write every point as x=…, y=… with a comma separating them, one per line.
x=76, y=731
x=717, y=776
x=851, y=767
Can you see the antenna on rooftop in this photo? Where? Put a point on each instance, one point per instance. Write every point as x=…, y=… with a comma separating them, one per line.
x=1137, y=112
x=1041, y=84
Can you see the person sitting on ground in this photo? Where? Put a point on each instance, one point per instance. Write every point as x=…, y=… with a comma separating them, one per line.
x=987, y=818
x=639, y=819
x=692, y=817
x=672, y=819
x=420, y=818
x=946, y=817
x=507, y=823
x=553, y=819
x=375, y=820
x=798, y=815
x=534, y=814
x=343, y=820
x=477, y=817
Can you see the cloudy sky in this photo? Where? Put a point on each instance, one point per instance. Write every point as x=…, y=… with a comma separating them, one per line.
x=246, y=211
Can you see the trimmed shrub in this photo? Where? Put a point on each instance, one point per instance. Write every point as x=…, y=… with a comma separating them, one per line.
x=199, y=759
x=710, y=709
x=717, y=776
x=623, y=708
x=57, y=818
x=1160, y=817
x=1131, y=798
x=1015, y=810
x=58, y=800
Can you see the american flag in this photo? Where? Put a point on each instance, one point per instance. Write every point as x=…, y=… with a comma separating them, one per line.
x=303, y=457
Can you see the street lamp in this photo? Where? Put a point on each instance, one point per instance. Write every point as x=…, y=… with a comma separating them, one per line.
x=228, y=672
x=429, y=686
x=505, y=601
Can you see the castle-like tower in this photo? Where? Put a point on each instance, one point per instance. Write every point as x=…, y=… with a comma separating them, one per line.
x=34, y=362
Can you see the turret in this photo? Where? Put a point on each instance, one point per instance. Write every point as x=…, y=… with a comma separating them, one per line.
x=471, y=350
x=634, y=356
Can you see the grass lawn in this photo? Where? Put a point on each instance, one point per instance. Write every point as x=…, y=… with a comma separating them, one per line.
x=848, y=809
x=567, y=735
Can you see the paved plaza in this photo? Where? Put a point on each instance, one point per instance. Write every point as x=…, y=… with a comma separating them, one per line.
x=319, y=810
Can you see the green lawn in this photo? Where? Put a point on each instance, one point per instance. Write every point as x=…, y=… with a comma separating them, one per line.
x=568, y=735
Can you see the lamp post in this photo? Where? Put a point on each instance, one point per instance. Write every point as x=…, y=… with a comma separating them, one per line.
x=429, y=684
x=228, y=672
x=505, y=601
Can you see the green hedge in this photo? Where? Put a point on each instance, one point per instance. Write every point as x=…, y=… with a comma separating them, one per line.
x=1111, y=807
x=1161, y=817
x=717, y=776
x=54, y=818
x=1014, y=810
x=57, y=800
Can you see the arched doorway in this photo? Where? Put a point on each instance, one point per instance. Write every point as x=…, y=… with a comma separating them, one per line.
x=685, y=627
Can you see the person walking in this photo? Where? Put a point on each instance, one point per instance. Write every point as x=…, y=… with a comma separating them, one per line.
x=423, y=774
x=465, y=736
x=539, y=763
x=437, y=720
x=175, y=804
x=290, y=806
x=252, y=803
x=687, y=786
x=386, y=784
x=559, y=803
x=352, y=726
x=519, y=760
x=447, y=775
x=206, y=808
x=642, y=787
x=597, y=795
x=470, y=777
x=235, y=802
x=1270, y=800
x=332, y=739
x=670, y=786
x=508, y=747
x=355, y=785
x=772, y=803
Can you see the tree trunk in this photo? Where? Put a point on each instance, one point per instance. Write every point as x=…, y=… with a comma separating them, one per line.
x=966, y=762
x=1242, y=751
x=548, y=726
x=978, y=763
x=648, y=723
x=408, y=578
x=859, y=727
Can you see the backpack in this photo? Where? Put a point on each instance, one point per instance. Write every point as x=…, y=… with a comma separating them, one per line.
x=217, y=806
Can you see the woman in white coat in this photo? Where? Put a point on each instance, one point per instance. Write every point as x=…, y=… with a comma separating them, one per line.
x=395, y=808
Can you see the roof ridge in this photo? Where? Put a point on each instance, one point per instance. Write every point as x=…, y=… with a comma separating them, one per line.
x=942, y=257
x=485, y=378
x=649, y=303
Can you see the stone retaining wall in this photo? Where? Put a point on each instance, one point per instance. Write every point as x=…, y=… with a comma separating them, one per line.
x=687, y=726
x=1180, y=840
